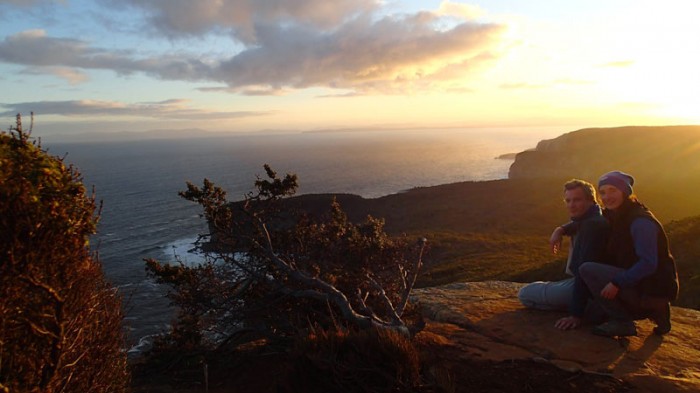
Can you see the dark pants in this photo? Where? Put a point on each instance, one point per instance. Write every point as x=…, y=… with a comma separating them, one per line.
x=629, y=304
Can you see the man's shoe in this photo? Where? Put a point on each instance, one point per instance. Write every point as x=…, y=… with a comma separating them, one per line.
x=662, y=318
x=615, y=329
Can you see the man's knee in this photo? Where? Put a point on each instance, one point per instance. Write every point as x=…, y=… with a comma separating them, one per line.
x=547, y=295
x=530, y=294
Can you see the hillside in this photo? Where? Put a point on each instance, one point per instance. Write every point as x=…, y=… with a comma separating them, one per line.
x=664, y=160
x=685, y=244
x=499, y=229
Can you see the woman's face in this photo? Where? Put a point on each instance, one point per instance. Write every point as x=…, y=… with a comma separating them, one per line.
x=611, y=196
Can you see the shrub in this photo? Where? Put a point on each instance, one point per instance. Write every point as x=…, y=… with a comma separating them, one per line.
x=278, y=271
x=60, y=321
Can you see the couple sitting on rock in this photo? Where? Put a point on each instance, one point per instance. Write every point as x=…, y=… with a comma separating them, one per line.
x=619, y=260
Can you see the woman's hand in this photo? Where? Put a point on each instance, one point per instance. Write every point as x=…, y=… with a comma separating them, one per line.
x=555, y=239
x=610, y=291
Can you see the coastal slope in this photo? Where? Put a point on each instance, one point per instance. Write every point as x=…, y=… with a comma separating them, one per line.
x=498, y=230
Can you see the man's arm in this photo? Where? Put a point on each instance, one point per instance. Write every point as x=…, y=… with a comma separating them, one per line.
x=568, y=229
x=555, y=239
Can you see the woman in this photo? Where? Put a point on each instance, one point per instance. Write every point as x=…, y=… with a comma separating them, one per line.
x=638, y=279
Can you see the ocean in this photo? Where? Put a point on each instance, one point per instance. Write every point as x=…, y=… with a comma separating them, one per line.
x=143, y=217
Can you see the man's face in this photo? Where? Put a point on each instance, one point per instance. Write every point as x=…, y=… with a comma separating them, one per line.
x=576, y=202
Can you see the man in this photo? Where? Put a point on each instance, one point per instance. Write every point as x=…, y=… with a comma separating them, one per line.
x=589, y=232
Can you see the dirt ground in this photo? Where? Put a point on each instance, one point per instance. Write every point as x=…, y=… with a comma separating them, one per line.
x=267, y=370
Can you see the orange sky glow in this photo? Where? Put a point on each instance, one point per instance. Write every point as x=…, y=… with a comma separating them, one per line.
x=353, y=64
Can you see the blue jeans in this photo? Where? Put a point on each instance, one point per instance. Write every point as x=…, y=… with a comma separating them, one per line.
x=547, y=295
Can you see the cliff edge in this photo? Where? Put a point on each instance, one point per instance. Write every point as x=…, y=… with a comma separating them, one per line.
x=669, y=153
x=485, y=321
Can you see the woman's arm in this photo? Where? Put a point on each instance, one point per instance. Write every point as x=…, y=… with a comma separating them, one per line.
x=644, y=234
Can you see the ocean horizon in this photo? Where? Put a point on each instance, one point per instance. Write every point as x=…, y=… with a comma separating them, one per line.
x=143, y=217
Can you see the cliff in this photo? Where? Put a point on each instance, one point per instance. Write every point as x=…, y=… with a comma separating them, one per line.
x=483, y=321
x=670, y=153
x=664, y=160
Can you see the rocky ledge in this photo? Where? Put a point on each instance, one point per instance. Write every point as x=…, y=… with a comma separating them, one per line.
x=485, y=321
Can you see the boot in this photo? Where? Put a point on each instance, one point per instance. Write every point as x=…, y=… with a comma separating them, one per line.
x=595, y=314
x=662, y=318
x=616, y=328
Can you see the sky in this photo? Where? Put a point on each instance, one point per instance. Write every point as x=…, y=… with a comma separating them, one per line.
x=293, y=65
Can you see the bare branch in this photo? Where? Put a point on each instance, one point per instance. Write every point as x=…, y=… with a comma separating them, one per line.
x=395, y=319
x=363, y=306
x=416, y=268
x=54, y=294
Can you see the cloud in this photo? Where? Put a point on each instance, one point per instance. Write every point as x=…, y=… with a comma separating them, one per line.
x=291, y=44
x=176, y=109
x=250, y=91
x=22, y=3
x=542, y=85
x=465, y=11
x=363, y=54
x=175, y=18
x=34, y=48
x=71, y=75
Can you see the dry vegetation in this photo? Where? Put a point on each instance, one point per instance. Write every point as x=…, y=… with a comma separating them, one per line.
x=60, y=322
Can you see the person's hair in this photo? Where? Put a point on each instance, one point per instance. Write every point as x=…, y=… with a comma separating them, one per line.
x=588, y=188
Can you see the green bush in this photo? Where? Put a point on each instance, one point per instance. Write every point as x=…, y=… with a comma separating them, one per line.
x=60, y=321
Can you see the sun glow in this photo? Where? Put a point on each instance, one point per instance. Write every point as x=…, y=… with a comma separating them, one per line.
x=637, y=65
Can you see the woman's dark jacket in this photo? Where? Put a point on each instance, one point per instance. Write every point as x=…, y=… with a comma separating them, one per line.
x=663, y=282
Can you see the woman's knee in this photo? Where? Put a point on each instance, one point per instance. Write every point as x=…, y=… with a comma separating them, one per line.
x=592, y=273
x=586, y=269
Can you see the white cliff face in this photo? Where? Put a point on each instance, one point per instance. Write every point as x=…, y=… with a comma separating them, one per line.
x=487, y=322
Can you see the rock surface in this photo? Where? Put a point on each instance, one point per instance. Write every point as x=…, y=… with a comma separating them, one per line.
x=485, y=320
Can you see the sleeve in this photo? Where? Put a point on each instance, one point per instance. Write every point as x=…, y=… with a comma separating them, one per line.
x=644, y=234
x=590, y=244
x=570, y=228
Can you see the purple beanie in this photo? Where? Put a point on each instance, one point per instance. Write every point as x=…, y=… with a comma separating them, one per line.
x=619, y=180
